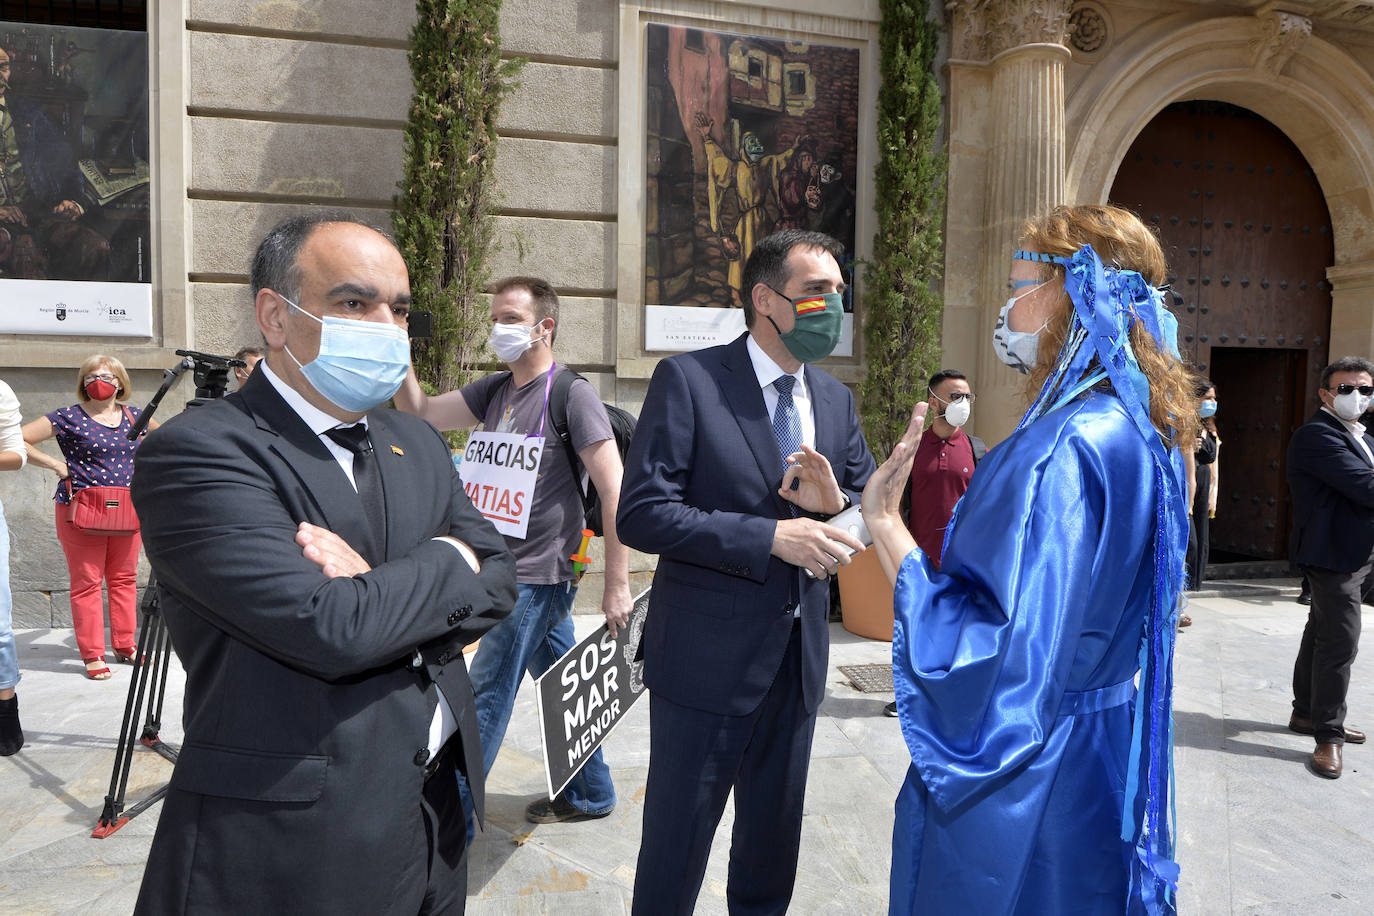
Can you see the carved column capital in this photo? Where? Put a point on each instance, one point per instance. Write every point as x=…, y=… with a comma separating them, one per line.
x=1283, y=34
x=982, y=29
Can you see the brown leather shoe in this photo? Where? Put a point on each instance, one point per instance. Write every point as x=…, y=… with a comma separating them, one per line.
x=1304, y=727
x=1326, y=761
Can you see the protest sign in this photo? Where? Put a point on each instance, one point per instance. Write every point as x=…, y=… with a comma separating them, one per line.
x=587, y=693
x=498, y=472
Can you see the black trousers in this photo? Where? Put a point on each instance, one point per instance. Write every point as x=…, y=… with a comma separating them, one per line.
x=445, y=875
x=695, y=759
x=1321, y=674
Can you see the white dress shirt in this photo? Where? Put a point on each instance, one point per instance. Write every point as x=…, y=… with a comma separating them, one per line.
x=1356, y=430
x=768, y=372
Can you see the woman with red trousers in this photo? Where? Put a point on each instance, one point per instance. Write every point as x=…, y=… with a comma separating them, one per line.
x=96, y=452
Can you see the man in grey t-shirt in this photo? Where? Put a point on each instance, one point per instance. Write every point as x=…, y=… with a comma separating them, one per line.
x=524, y=314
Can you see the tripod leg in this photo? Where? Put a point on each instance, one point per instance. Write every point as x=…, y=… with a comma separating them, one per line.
x=153, y=633
x=110, y=819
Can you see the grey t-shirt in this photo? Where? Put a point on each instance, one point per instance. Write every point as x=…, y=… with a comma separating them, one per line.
x=556, y=517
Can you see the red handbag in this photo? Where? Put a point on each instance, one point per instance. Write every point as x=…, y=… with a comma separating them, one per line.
x=101, y=510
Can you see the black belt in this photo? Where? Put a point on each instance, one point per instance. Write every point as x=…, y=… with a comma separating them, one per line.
x=440, y=759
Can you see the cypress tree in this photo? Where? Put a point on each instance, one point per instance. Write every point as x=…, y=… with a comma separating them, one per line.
x=903, y=307
x=443, y=213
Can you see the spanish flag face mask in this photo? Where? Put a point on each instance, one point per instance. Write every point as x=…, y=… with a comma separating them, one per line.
x=816, y=331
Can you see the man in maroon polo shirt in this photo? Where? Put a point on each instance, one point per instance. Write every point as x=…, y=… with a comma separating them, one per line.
x=944, y=461
x=943, y=466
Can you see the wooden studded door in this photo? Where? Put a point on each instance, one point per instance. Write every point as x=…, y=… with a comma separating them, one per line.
x=1248, y=239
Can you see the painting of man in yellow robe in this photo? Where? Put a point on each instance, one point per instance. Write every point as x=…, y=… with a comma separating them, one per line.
x=751, y=178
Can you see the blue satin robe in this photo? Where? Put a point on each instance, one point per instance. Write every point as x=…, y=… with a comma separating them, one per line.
x=1014, y=667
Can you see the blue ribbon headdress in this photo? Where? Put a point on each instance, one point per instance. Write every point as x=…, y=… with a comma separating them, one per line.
x=1107, y=301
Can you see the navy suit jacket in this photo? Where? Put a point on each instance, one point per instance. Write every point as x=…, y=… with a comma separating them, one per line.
x=308, y=699
x=700, y=490
x=1332, y=483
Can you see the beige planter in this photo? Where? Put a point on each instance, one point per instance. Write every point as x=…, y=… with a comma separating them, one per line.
x=866, y=597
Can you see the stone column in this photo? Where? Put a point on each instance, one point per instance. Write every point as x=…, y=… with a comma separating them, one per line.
x=1352, y=310
x=1022, y=45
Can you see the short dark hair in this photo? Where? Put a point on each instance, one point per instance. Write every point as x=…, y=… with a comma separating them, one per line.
x=767, y=263
x=276, y=263
x=245, y=352
x=944, y=375
x=542, y=294
x=1346, y=364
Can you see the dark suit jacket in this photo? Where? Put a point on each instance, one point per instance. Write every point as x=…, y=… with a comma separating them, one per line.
x=50, y=168
x=700, y=490
x=1332, y=483
x=307, y=710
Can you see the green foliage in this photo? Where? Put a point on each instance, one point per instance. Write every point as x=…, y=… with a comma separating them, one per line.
x=443, y=213
x=902, y=307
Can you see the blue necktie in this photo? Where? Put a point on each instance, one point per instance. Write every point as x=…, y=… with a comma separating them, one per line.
x=786, y=422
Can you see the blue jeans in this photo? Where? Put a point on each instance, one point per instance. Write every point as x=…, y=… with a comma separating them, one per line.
x=537, y=633
x=9, y=659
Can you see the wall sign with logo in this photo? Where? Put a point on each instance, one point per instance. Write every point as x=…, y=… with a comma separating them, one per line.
x=74, y=182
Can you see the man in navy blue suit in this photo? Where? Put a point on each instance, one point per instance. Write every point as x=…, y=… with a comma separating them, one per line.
x=1331, y=476
x=740, y=452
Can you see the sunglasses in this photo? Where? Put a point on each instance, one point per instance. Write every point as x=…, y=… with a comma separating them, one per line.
x=1365, y=390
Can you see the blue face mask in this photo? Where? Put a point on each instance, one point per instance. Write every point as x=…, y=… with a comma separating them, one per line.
x=360, y=363
x=1207, y=409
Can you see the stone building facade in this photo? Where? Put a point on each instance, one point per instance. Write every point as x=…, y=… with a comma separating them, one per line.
x=264, y=109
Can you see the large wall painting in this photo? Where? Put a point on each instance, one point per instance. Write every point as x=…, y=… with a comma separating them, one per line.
x=74, y=181
x=745, y=136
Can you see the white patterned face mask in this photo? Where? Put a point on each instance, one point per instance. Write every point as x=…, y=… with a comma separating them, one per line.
x=1017, y=349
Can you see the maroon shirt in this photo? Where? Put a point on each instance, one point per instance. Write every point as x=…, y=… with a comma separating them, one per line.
x=939, y=476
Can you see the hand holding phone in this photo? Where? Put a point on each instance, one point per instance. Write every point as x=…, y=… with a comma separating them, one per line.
x=851, y=521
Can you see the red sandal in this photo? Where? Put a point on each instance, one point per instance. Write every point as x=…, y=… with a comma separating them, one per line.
x=126, y=656
x=97, y=674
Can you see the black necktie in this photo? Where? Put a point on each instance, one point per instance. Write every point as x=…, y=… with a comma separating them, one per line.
x=367, y=478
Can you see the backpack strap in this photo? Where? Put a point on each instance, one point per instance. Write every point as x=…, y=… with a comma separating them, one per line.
x=980, y=448
x=558, y=415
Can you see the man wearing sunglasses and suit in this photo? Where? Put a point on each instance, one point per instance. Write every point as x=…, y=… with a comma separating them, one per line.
x=1331, y=477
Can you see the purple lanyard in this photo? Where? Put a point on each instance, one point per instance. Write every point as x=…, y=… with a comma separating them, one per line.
x=548, y=387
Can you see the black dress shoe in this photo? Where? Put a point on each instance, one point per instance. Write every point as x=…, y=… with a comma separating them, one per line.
x=1304, y=727
x=890, y=709
x=1326, y=760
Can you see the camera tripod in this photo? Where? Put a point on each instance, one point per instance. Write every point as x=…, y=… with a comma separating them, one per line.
x=154, y=656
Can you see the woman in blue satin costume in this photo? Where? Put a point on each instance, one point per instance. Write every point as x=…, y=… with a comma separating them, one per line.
x=1040, y=775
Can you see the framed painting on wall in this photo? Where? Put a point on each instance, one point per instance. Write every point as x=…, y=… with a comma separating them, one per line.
x=74, y=182
x=744, y=136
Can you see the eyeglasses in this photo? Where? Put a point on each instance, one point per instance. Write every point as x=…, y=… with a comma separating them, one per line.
x=1365, y=390
x=954, y=396
x=100, y=377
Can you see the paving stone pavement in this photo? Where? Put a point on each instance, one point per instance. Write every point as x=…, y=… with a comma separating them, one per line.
x=1258, y=834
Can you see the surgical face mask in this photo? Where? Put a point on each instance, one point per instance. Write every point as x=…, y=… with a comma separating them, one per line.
x=510, y=341
x=956, y=412
x=1207, y=409
x=360, y=363
x=1350, y=407
x=1017, y=349
x=816, y=330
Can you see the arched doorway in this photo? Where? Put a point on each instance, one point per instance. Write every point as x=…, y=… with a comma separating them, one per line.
x=1248, y=238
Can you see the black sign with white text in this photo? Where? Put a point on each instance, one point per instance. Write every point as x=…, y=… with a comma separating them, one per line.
x=586, y=693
